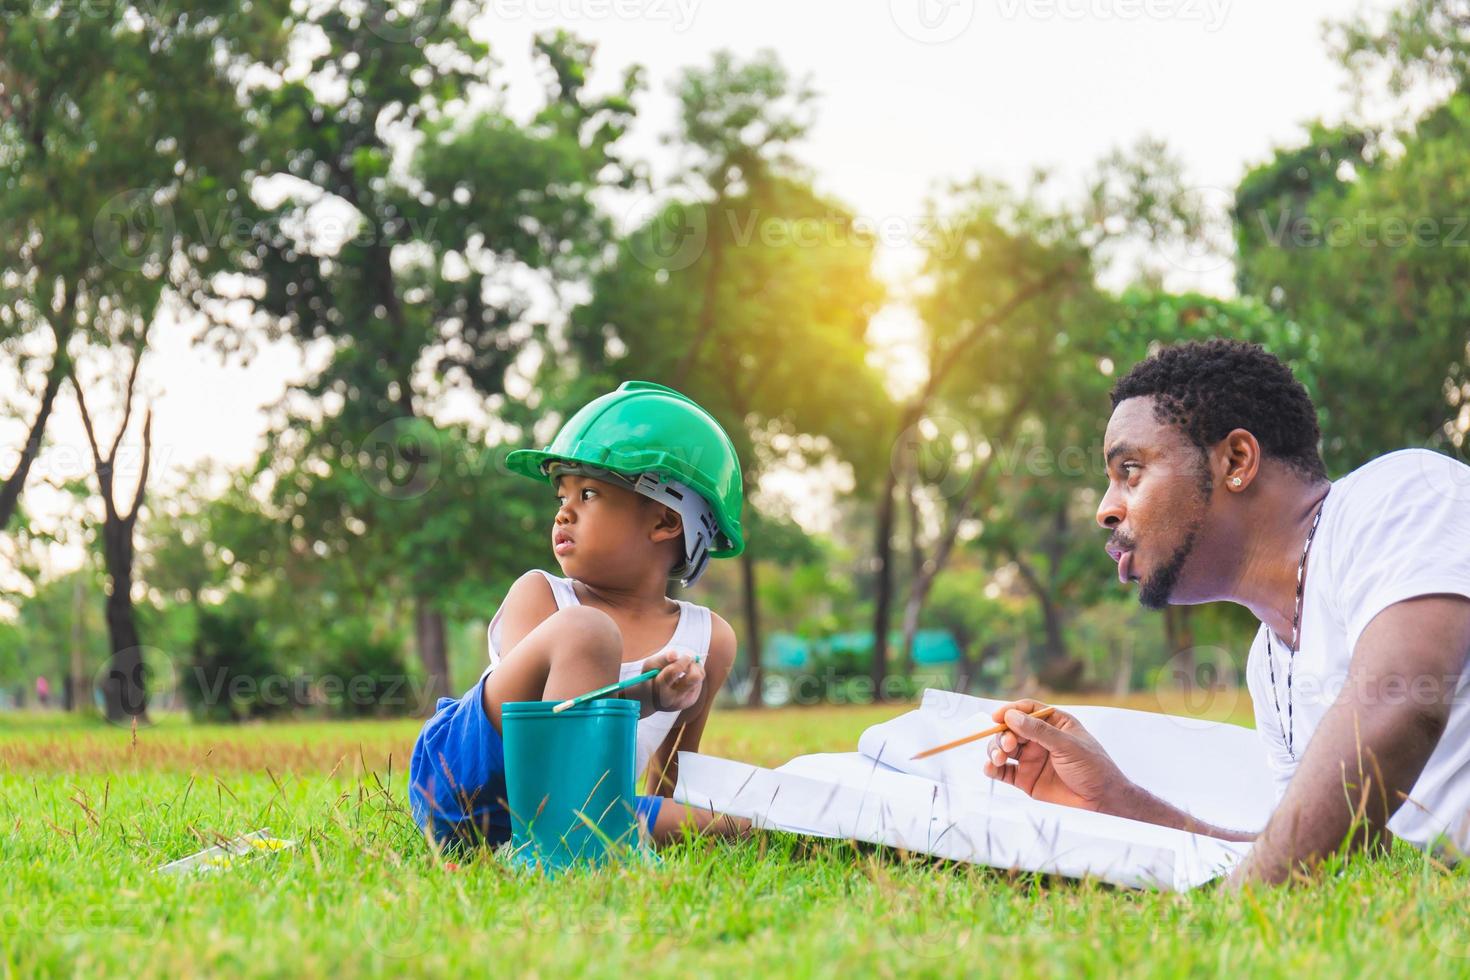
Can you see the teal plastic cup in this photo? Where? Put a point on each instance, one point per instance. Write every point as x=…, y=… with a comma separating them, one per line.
x=569, y=781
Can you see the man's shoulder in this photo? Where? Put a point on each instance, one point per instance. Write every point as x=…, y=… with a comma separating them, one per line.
x=1407, y=476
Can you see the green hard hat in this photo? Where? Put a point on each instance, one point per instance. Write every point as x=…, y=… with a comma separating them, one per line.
x=647, y=428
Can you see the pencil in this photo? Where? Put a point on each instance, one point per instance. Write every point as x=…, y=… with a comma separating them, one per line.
x=603, y=692
x=996, y=730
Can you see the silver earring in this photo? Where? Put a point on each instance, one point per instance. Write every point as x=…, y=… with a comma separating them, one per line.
x=1235, y=481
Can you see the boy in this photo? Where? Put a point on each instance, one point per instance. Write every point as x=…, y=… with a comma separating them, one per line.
x=648, y=489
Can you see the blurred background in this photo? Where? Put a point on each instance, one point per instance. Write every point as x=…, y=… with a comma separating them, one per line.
x=283, y=282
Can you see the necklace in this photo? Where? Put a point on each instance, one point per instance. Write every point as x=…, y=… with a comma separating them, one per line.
x=1296, y=624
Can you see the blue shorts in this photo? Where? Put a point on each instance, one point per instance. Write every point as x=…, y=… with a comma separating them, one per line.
x=456, y=776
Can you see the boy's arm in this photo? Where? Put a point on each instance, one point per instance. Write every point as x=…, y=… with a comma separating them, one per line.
x=663, y=768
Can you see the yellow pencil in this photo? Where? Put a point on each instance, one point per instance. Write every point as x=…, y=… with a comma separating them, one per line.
x=1040, y=713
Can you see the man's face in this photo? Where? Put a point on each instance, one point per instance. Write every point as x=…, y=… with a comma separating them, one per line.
x=1157, y=502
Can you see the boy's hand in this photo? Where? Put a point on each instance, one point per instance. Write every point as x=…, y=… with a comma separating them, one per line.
x=678, y=684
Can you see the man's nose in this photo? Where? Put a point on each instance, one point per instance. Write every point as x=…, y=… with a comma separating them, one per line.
x=1110, y=512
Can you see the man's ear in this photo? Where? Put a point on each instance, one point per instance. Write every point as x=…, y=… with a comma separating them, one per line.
x=669, y=525
x=1237, y=460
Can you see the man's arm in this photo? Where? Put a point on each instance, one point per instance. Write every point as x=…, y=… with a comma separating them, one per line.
x=1057, y=760
x=1374, y=741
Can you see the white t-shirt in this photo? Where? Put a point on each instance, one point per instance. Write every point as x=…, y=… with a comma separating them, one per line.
x=1396, y=528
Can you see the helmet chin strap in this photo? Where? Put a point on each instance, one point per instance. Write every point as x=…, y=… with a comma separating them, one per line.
x=695, y=514
x=700, y=528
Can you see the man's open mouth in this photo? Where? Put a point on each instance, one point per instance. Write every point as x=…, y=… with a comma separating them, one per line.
x=1124, y=558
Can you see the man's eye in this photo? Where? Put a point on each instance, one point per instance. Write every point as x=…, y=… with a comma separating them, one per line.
x=1130, y=468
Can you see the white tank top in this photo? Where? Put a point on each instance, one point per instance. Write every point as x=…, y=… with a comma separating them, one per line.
x=692, y=634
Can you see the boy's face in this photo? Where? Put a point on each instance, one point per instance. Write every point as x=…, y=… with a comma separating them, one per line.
x=608, y=535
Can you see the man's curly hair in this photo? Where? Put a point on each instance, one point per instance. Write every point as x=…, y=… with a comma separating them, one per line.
x=1210, y=387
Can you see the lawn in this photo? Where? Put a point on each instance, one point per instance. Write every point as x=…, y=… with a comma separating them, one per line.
x=88, y=812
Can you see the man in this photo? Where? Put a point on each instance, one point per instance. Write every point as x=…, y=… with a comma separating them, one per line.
x=1216, y=491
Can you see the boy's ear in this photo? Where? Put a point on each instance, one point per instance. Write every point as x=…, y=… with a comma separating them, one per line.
x=669, y=525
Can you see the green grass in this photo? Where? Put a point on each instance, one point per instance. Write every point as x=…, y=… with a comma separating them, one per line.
x=86, y=815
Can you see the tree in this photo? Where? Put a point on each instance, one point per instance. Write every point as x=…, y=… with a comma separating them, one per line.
x=110, y=122
x=425, y=298
x=751, y=293
x=1359, y=236
x=124, y=690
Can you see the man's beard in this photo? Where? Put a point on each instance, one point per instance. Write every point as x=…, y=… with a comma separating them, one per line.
x=1154, y=591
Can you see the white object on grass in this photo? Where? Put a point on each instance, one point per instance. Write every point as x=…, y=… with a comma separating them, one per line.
x=947, y=807
x=228, y=853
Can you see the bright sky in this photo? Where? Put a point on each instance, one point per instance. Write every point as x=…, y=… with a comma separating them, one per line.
x=912, y=93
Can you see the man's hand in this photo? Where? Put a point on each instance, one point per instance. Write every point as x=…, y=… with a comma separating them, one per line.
x=678, y=684
x=1057, y=761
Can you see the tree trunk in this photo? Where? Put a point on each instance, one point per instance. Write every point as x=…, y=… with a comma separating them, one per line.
x=1179, y=641
x=883, y=587
x=752, y=628
x=11, y=489
x=914, y=604
x=1123, y=680
x=124, y=689
x=81, y=688
x=428, y=628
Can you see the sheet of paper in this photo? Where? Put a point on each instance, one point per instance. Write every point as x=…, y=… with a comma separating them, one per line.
x=228, y=853
x=1215, y=771
x=946, y=807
